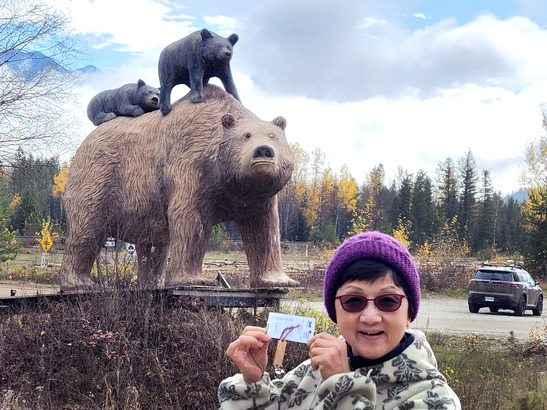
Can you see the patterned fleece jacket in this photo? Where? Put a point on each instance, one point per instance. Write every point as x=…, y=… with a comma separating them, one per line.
x=409, y=380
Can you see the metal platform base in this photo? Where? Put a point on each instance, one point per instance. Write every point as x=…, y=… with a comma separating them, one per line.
x=192, y=296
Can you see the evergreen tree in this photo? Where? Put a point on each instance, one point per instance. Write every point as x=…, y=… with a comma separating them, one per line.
x=447, y=189
x=486, y=226
x=468, y=203
x=376, y=200
x=33, y=180
x=422, y=209
x=510, y=233
x=401, y=204
x=292, y=198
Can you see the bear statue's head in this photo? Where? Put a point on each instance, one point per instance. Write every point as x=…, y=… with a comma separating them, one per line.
x=148, y=98
x=254, y=156
x=217, y=49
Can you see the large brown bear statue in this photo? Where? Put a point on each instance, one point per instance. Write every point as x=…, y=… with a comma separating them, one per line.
x=162, y=182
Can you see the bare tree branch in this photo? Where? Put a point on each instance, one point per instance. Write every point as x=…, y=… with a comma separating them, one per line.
x=36, y=78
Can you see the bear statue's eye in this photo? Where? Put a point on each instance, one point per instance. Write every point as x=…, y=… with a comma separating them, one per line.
x=272, y=136
x=248, y=135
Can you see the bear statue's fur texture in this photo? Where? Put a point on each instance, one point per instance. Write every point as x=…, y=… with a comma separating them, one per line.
x=130, y=100
x=193, y=60
x=163, y=182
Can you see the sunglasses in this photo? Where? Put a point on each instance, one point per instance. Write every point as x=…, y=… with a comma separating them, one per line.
x=385, y=303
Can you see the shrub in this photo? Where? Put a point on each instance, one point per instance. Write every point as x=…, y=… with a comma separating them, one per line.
x=117, y=350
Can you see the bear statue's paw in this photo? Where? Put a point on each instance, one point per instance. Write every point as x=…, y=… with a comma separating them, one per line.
x=79, y=285
x=190, y=281
x=196, y=98
x=274, y=280
x=165, y=109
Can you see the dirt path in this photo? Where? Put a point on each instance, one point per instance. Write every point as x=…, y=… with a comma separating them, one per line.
x=24, y=289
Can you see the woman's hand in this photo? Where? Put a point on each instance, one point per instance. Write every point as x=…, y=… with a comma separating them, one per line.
x=328, y=354
x=250, y=353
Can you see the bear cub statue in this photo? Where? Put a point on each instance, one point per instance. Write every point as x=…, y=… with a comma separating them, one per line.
x=130, y=100
x=193, y=60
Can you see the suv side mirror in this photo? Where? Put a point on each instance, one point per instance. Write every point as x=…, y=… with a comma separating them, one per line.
x=537, y=282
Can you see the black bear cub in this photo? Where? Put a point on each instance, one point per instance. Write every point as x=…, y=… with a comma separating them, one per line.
x=130, y=100
x=193, y=60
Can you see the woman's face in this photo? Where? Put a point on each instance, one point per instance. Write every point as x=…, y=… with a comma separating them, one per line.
x=372, y=333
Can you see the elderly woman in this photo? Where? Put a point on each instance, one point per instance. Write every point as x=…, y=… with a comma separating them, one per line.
x=372, y=291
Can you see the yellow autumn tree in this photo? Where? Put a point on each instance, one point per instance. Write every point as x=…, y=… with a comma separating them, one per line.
x=348, y=190
x=534, y=208
x=328, y=188
x=59, y=182
x=312, y=201
x=345, y=202
x=402, y=232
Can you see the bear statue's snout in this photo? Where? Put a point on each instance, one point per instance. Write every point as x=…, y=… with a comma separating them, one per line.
x=155, y=100
x=264, y=151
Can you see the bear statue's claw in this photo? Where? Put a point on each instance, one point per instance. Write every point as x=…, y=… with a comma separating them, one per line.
x=274, y=281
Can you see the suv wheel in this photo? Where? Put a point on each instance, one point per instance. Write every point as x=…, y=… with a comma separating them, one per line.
x=473, y=308
x=494, y=309
x=539, y=307
x=521, y=307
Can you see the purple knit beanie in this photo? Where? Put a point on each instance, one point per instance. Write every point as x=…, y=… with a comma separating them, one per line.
x=378, y=246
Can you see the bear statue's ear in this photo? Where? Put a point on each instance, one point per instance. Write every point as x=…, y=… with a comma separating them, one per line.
x=233, y=38
x=281, y=122
x=228, y=120
x=206, y=34
x=140, y=83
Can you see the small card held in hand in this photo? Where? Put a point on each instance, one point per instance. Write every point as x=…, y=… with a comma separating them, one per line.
x=290, y=327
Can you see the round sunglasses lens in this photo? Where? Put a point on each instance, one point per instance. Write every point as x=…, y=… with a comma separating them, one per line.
x=353, y=303
x=388, y=303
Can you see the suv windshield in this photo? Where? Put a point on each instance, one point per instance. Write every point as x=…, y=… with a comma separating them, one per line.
x=494, y=275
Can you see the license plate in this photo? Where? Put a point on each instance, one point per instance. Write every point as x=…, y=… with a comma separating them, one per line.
x=489, y=298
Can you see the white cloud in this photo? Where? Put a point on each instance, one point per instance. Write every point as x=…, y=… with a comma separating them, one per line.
x=133, y=26
x=421, y=16
x=361, y=88
x=372, y=22
x=225, y=25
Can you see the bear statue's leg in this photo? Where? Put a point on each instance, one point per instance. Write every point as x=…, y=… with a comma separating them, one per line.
x=151, y=263
x=103, y=117
x=81, y=250
x=131, y=110
x=189, y=237
x=260, y=235
x=228, y=83
x=165, y=96
x=196, y=85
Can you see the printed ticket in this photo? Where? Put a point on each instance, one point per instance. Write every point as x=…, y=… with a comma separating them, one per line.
x=290, y=327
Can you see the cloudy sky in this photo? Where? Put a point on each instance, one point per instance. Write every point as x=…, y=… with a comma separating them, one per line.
x=405, y=83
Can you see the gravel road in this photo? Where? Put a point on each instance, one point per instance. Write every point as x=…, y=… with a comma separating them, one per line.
x=452, y=316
